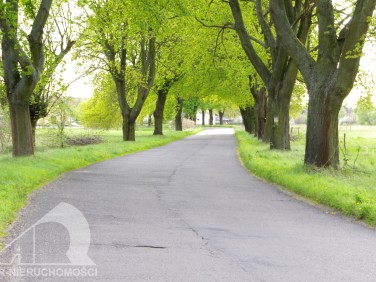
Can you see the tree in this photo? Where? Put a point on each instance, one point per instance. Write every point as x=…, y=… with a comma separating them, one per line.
x=365, y=110
x=22, y=67
x=178, y=114
x=212, y=72
x=102, y=110
x=221, y=114
x=121, y=36
x=330, y=76
x=169, y=63
x=158, y=113
x=259, y=108
x=280, y=75
x=59, y=118
x=248, y=118
x=58, y=42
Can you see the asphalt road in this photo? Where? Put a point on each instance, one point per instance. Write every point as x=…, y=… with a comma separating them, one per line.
x=187, y=211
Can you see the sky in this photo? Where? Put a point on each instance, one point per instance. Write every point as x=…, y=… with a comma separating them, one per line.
x=81, y=88
x=368, y=65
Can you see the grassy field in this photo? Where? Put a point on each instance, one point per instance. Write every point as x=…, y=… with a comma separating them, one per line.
x=20, y=176
x=351, y=189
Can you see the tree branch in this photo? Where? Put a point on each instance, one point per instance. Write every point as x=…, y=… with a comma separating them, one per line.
x=35, y=36
x=328, y=45
x=353, y=45
x=291, y=43
x=227, y=25
x=246, y=43
x=269, y=37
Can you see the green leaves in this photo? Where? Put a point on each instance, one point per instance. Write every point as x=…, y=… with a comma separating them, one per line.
x=102, y=110
x=29, y=8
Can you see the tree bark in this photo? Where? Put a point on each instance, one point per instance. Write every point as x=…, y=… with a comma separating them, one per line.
x=281, y=129
x=178, y=115
x=322, y=137
x=248, y=118
x=161, y=102
x=159, y=111
x=259, y=111
x=263, y=111
x=211, y=118
x=203, y=117
x=21, y=129
x=129, y=129
x=221, y=114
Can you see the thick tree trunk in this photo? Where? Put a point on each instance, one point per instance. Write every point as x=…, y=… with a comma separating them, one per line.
x=129, y=129
x=281, y=129
x=322, y=131
x=21, y=129
x=283, y=92
x=278, y=112
x=203, y=117
x=211, y=118
x=221, y=114
x=159, y=111
x=247, y=116
x=178, y=118
x=259, y=96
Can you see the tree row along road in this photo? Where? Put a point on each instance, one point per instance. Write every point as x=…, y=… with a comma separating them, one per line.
x=189, y=211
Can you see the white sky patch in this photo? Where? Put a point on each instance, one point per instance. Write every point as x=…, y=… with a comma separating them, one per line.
x=81, y=87
x=368, y=65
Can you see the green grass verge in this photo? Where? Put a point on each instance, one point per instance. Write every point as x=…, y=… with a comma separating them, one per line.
x=351, y=189
x=21, y=176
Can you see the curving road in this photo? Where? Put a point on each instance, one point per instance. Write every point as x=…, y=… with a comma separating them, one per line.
x=187, y=211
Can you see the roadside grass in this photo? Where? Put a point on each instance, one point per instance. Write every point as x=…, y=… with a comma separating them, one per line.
x=350, y=189
x=47, y=138
x=21, y=176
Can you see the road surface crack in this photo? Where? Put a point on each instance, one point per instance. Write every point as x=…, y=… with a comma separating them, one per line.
x=150, y=247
